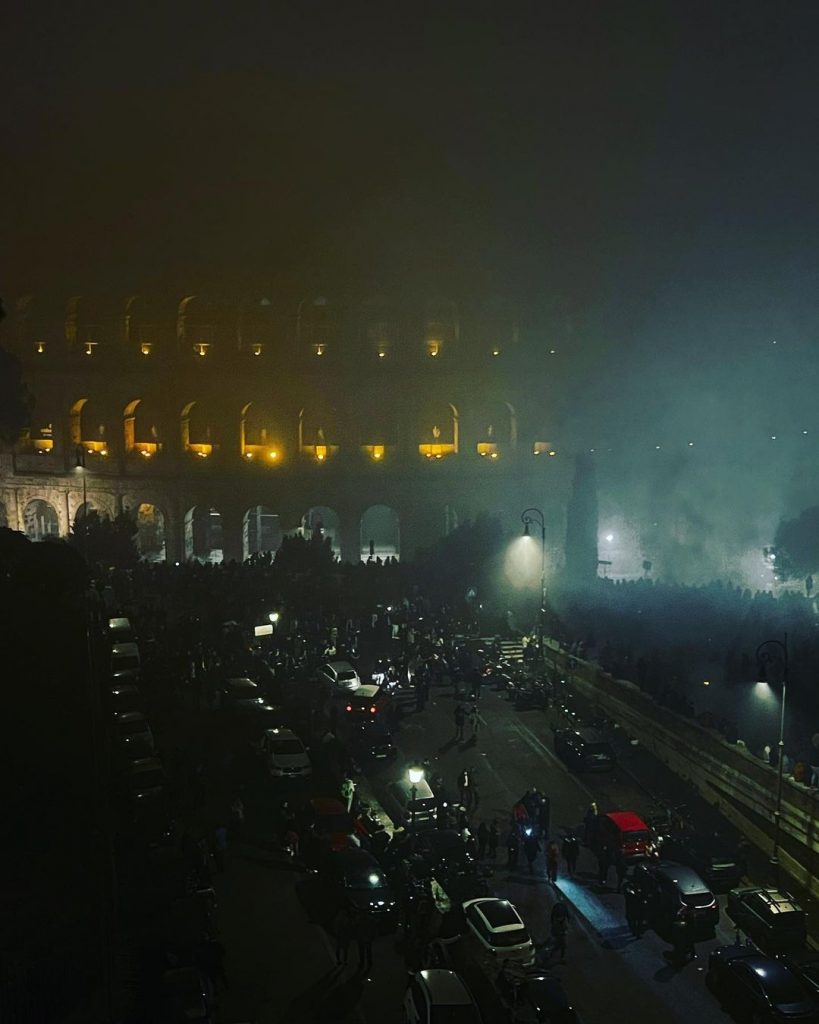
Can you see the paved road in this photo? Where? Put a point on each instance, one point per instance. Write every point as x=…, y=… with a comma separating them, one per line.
x=281, y=962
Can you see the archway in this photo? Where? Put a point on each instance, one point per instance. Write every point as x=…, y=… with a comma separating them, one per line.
x=380, y=533
x=439, y=430
x=87, y=428
x=326, y=522
x=150, y=538
x=195, y=431
x=40, y=520
x=318, y=431
x=141, y=435
x=261, y=436
x=203, y=534
x=4, y=516
x=84, y=508
x=261, y=531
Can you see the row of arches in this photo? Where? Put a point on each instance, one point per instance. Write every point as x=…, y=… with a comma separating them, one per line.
x=203, y=530
x=260, y=431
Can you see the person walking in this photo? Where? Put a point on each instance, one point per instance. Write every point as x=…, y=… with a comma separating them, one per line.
x=460, y=721
x=544, y=817
x=343, y=928
x=603, y=865
x=474, y=723
x=531, y=847
x=621, y=868
x=560, y=928
x=552, y=856
x=512, y=848
x=464, y=783
x=365, y=933
x=348, y=792
x=571, y=849
x=483, y=839
x=590, y=824
x=492, y=841
x=635, y=910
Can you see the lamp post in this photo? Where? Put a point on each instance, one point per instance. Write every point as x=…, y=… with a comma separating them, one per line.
x=764, y=658
x=415, y=773
x=527, y=517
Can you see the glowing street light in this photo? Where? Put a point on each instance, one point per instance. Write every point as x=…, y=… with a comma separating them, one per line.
x=528, y=516
x=274, y=617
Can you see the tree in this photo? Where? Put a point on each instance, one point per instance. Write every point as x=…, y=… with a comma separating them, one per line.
x=795, y=552
x=15, y=400
x=110, y=542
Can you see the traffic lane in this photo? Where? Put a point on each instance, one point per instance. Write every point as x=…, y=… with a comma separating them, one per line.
x=509, y=758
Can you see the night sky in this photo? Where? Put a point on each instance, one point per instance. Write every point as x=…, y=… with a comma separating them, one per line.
x=639, y=179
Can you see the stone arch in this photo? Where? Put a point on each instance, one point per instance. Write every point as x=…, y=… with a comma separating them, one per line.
x=40, y=520
x=261, y=437
x=325, y=521
x=439, y=427
x=87, y=428
x=195, y=431
x=150, y=538
x=261, y=531
x=497, y=429
x=140, y=432
x=203, y=534
x=380, y=533
x=318, y=430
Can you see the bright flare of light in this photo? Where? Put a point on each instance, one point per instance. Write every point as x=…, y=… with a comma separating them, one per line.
x=416, y=775
x=374, y=879
x=522, y=563
x=609, y=537
x=273, y=616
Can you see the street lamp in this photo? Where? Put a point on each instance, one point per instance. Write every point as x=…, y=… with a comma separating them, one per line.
x=274, y=617
x=535, y=515
x=764, y=658
x=415, y=773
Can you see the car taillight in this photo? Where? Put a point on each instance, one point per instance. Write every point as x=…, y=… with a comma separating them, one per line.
x=372, y=711
x=349, y=707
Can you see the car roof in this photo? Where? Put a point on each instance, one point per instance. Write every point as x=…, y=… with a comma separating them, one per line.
x=281, y=734
x=126, y=648
x=340, y=666
x=367, y=691
x=686, y=878
x=444, y=987
x=500, y=915
x=119, y=622
x=628, y=821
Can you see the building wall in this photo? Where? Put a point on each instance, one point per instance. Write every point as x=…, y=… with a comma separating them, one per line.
x=168, y=405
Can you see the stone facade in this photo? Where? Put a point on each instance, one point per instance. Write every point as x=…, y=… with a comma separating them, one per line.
x=226, y=425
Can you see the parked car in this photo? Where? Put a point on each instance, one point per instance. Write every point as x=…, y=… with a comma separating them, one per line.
x=135, y=734
x=410, y=809
x=713, y=858
x=188, y=996
x=584, y=750
x=667, y=889
x=497, y=931
x=120, y=630
x=369, y=701
x=286, y=755
x=770, y=917
x=437, y=995
x=533, y=996
x=625, y=833
x=339, y=676
x=126, y=697
x=147, y=779
x=805, y=965
x=367, y=739
x=125, y=662
x=443, y=852
x=757, y=988
x=241, y=695
x=354, y=877
x=331, y=822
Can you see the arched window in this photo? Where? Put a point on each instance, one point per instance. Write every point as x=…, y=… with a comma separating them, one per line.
x=318, y=431
x=87, y=429
x=440, y=431
x=141, y=436
x=203, y=534
x=150, y=538
x=261, y=437
x=195, y=431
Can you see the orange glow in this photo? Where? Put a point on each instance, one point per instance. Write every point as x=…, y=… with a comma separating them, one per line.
x=89, y=347
x=321, y=452
x=487, y=448
x=320, y=350
x=273, y=455
x=201, y=349
x=145, y=348
x=257, y=350
x=39, y=348
x=433, y=348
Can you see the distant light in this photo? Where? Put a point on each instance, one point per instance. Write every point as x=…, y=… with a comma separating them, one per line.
x=176, y=563
x=381, y=353
x=772, y=557
x=804, y=431
x=374, y=879
x=551, y=351
x=706, y=682
x=591, y=450
x=273, y=616
x=495, y=351
x=415, y=774
x=273, y=454
x=609, y=537
x=657, y=447
x=773, y=437
x=248, y=455
x=690, y=444
x=257, y=350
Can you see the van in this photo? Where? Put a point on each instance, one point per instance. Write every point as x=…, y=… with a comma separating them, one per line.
x=406, y=812
x=626, y=833
x=584, y=750
x=125, y=663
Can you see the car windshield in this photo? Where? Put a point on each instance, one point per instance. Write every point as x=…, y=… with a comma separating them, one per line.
x=449, y=1014
x=346, y=675
x=638, y=836
x=515, y=937
x=287, y=747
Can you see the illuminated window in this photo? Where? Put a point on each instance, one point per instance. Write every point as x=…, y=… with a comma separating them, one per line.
x=375, y=451
x=89, y=347
x=201, y=349
x=39, y=348
x=433, y=348
x=321, y=452
x=145, y=348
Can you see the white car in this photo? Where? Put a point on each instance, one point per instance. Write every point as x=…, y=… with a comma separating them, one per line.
x=496, y=928
x=340, y=675
x=440, y=995
x=286, y=755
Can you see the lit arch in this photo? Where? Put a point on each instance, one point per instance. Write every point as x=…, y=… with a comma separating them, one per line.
x=197, y=440
x=136, y=442
x=260, y=438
